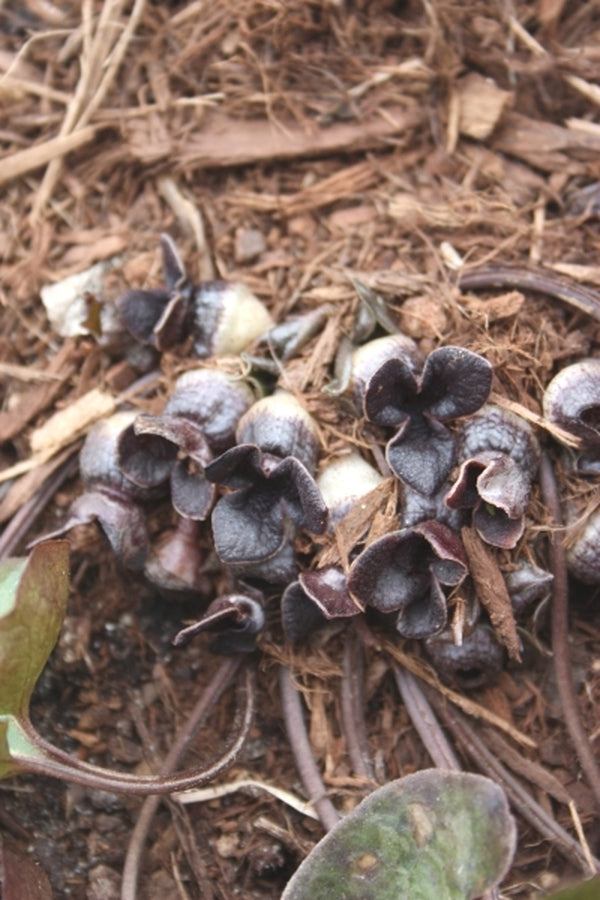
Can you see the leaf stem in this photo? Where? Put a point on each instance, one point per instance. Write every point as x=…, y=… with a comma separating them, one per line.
x=353, y=720
x=56, y=763
x=424, y=720
x=560, y=630
x=211, y=694
x=298, y=738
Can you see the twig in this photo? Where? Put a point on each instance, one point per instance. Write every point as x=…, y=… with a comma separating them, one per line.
x=424, y=721
x=542, y=281
x=225, y=142
x=24, y=161
x=94, y=83
x=298, y=738
x=560, y=630
x=426, y=674
x=218, y=684
x=353, y=719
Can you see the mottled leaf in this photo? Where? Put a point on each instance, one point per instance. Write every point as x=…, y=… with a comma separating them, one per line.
x=434, y=835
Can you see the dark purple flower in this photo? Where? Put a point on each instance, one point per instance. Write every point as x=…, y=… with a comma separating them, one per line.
x=198, y=421
x=110, y=498
x=528, y=586
x=454, y=382
x=235, y=619
x=571, y=402
x=500, y=455
x=251, y=524
x=221, y=317
x=317, y=596
x=474, y=663
x=402, y=573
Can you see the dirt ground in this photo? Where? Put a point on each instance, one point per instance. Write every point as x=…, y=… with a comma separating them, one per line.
x=297, y=147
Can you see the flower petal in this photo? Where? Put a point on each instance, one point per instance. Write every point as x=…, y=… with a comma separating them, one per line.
x=280, y=568
x=505, y=485
x=424, y=617
x=173, y=268
x=238, y=467
x=122, y=521
x=139, y=312
x=392, y=572
x=192, y=495
x=421, y=454
x=173, y=325
x=248, y=526
x=328, y=590
x=236, y=618
x=147, y=456
x=304, y=503
x=455, y=382
x=390, y=393
x=495, y=527
x=498, y=490
x=146, y=460
x=299, y=615
x=449, y=561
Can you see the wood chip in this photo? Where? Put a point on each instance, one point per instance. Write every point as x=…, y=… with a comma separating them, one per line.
x=481, y=104
x=71, y=422
x=373, y=508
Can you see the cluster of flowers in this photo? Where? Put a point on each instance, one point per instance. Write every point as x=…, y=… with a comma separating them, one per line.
x=215, y=433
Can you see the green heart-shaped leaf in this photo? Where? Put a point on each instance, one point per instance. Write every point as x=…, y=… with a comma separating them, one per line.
x=434, y=835
x=33, y=601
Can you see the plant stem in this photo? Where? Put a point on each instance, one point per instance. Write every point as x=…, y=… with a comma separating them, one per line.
x=424, y=720
x=211, y=694
x=298, y=738
x=56, y=763
x=560, y=630
x=353, y=720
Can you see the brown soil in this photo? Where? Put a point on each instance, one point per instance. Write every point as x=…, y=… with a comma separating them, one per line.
x=293, y=146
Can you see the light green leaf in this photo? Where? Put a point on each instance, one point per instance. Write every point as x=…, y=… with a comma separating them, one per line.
x=585, y=890
x=33, y=600
x=435, y=835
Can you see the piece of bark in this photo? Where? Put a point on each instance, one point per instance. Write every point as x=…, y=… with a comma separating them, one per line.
x=491, y=591
x=226, y=142
x=545, y=145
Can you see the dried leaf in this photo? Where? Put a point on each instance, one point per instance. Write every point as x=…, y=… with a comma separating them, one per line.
x=492, y=591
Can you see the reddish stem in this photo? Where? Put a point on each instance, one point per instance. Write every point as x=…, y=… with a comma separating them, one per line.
x=560, y=630
x=58, y=764
x=220, y=681
x=298, y=738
